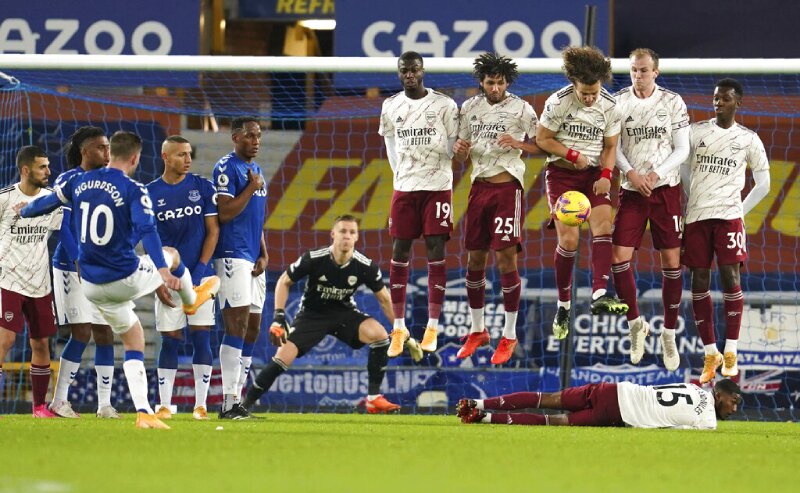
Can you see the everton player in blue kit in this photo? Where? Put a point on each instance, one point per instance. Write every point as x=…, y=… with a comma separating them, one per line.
x=240, y=259
x=113, y=212
x=87, y=149
x=333, y=274
x=185, y=206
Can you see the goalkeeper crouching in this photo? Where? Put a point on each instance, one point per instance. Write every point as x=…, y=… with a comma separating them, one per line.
x=334, y=274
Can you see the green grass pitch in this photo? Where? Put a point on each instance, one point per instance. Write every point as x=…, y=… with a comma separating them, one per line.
x=352, y=453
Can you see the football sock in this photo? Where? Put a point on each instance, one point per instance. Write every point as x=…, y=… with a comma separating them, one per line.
x=601, y=261
x=104, y=367
x=201, y=365
x=376, y=365
x=40, y=380
x=398, y=279
x=202, y=381
x=136, y=376
x=230, y=361
x=247, y=361
x=710, y=349
x=476, y=294
x=167, y=368
x=704, y=317
x=731, y=345
x=564, y=260
x=264, y=381
x=186, y=292
x=625, y=284
x=437, y=280
x=511, y=286
x=511, y=402
x=671, y=292
x=68, y=367
x=517, y=419
x=734, y=305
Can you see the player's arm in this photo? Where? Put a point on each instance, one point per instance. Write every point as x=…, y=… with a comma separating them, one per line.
x=209, y=243
x=546, y=141
x=279, y=330
x=40, y=206
x=230, y=207
x=260, y=264
x=66, y=237
x=507, y=141
x=385, y=300
x=391, y=151
x=679, y=154
x=608, y=157
x=627, y=169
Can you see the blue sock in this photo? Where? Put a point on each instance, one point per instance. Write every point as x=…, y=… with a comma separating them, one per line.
x=201, y=340
x=168, y=356
x=232, y=341
x=104, y=355
x=247, y=349
x=129, y=355
x=73, y=350
x=178, y=272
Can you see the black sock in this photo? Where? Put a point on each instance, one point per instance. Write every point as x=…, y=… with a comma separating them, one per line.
x=376, y=365
x=263, y=382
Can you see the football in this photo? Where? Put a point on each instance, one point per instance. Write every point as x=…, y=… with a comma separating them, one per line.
x=573, y=208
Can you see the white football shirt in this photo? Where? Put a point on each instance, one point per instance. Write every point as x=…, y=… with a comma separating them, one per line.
x=482, y=123
x=647, y=128
x=677, y=405
x=718, y=158
x=578, y=126
x=24, y=259
x=421, y=128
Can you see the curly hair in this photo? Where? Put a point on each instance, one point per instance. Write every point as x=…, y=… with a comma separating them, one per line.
x=586, y=64
x=73, y=148
x=491, y=64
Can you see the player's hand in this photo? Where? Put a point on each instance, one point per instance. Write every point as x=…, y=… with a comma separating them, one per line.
x=19, y=207
x=279, y=330
x=255, y=181
x=583, y=162
x=508, y=142
x=639, y=182
x=259, y=266
x=461, y=149
x=170, y=281
x=602, y=186
x=652, y=178
x=198, y=273
x=164, y=296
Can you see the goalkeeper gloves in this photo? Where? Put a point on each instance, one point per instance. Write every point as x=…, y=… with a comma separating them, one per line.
x=279, y=329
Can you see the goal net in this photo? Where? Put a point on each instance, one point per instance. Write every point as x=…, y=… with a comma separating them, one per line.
x=323, y=157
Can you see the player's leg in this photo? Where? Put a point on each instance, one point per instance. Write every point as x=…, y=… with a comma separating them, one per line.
x=601, y=226
x=671, y=292
x=192, y=296
x=257, y=295
x=41, y=326
x=104, y=368
x=506, y=261
x=405, y=225
x=437, y=281
x=202, y=361
x=167, y=369
x=7, y=339
x=733, y=300
x=476, y=294
x=478, y=410
x=359, y=330
x=564, y=263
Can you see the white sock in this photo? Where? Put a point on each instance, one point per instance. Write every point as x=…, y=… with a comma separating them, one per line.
x=479, y=404
x=105, y=376
x=399, y=323
x=243, y=374
x=669, y=334
x=600, y=292
x=187, y=294
x=371, y=398
x=510, y=328
x=433, y=323
x=730, y=345
x=202, y=380
x=166, y=381
x=66, y=374
x=487, y=418
x=477, y=320
x=711, y=349
x=230, y=365
x=136, y=376
x=564, y=304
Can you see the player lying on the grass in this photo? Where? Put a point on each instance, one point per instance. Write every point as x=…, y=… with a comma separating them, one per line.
x=334, y=274
x=115, y=213
x=676, y=405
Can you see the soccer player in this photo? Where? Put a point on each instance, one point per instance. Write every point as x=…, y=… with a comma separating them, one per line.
x=676, y=405
x=240, y=258
x=714, y=176
x=114, y=213
x=492, y=133
x=579, y=130
x=419, y=126
x=334, y=273
x=25, y=293
x=86, y=150
x=654, y=143
x=186, y=213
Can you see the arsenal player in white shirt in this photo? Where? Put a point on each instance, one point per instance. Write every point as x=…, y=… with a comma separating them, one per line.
x=579, y=129
x=714, y=176
x=654, y=142
x=419, y=127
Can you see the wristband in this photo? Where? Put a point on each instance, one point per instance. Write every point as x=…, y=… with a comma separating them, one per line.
x=606, y=173
x=572, y=155
x=279, y=313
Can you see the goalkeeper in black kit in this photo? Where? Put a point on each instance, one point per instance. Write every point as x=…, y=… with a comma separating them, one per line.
x=334, y=274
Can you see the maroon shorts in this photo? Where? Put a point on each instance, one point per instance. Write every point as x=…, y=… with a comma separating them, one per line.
x=723, y=237
x=495, y=214
x=39, y=312
x=560, y=180
x=594, y=404
x=423, y=213
x=662, y=209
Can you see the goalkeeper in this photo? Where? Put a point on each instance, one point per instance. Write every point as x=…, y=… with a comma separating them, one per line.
x=334, y=274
